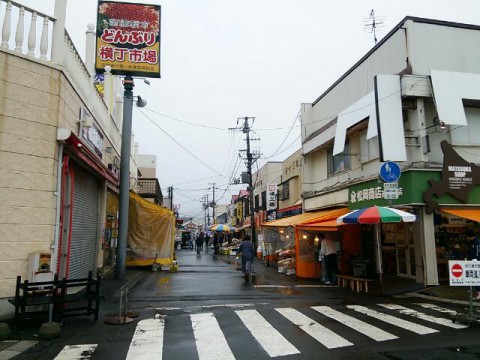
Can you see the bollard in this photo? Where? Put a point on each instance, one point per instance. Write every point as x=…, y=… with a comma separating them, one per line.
x=49, y=330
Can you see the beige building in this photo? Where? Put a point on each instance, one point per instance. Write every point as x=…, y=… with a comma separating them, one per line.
x=59, y=154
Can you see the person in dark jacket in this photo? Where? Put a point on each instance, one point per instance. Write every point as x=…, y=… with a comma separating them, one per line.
x=474, y=253
x=199, y=242
x=246, y=250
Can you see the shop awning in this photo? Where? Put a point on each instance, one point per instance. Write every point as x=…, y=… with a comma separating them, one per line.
x=308, y=219
x=326, y=225
x=471, y=214
x=326, y=221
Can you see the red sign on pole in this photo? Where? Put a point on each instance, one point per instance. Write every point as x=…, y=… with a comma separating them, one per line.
x=457, y=270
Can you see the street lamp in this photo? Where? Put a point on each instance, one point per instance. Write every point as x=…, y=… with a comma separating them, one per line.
x=128, y=85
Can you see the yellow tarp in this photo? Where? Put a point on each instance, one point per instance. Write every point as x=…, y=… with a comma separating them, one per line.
x=151, y=233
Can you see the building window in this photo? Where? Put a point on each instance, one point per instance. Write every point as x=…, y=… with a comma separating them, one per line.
x=264, y=200
x=257, y=202
x=368, y=148
x=340, y=162
x=285, y=191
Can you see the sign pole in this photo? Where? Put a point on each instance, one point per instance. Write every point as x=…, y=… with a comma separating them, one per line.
x=124, y=177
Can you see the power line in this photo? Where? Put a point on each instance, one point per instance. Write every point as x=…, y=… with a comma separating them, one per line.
x=183, y=147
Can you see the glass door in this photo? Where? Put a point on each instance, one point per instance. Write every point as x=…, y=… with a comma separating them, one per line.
x=405, y=251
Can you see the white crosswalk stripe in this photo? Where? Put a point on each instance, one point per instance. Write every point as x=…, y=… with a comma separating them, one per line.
x=147, y=341
x=320, y=333
x=267, y=336
x=76, y=352
x=423, y=316
x=209, y=338
x=392, y=320
x=358, y=325
x=437, y=308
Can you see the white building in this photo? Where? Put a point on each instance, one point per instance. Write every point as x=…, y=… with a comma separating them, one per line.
x=417, y=87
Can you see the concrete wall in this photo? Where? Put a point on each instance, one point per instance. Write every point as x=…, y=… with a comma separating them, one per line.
x=293, y=173
x=33, y=100
x=268, y=174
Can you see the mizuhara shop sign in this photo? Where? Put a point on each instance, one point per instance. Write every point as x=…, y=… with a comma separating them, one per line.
x=458, y=178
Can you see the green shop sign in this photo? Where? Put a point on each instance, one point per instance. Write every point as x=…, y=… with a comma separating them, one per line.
x=411, y=186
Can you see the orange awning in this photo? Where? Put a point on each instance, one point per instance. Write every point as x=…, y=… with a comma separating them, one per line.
x=471, y=214
x=308, y=219
x=326, y=221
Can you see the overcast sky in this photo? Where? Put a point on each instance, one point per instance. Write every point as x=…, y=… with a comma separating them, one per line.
x=224, y=59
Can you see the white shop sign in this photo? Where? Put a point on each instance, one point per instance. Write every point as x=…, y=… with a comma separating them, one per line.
x=464, y=273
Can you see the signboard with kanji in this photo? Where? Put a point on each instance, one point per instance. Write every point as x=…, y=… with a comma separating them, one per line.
x=464, y=273
x=128, y=39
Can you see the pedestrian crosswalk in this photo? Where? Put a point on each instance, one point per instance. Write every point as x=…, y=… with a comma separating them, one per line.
x=330, y=326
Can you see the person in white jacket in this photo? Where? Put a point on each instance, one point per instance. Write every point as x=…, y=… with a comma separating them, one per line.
x=329, y=254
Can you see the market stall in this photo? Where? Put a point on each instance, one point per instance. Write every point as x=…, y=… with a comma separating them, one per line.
x=308, y=264
x=296, y=235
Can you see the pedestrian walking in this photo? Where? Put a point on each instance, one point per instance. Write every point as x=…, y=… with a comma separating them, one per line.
x=329, y=254
x=199, y=242
x=246, y=250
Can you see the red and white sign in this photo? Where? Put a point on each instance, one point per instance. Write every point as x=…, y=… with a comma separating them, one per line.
x=457, y=270
x=464, y=273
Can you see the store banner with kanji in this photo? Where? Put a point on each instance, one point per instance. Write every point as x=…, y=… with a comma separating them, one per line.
x=464, y=273
x=128, y=39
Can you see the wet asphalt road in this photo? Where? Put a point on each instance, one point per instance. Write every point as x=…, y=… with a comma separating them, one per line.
x=209, y=299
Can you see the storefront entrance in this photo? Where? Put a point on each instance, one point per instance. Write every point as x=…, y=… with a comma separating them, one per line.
x=405, y=251
x=399, y=236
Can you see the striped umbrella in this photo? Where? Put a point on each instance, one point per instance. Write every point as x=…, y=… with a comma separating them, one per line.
x=375, y=215
x=222, y=228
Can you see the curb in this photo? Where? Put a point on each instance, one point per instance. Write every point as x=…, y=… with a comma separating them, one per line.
x=436, y=298
x=131, y=283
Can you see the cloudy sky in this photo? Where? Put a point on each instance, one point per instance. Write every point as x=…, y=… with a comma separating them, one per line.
x=225, y=59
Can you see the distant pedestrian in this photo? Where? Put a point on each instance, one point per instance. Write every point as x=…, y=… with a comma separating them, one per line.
x=474, y=253
x=246, y=250
x=329, y=254
x=216, y=243
x=199, y=242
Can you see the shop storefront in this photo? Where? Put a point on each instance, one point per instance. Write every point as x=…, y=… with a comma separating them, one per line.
x=293, y=242
x=82, y=216
x=446, y=203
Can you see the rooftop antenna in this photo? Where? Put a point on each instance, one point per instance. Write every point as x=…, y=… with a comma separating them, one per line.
x=372, y=23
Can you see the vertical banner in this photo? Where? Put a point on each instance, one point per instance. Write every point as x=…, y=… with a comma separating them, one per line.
x=272, y=197
x=128, y=39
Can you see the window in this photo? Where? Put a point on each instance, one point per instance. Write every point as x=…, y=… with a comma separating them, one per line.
x=257, y=202
x=285, y=191
x=340, y=162
x=368, y=148
x=264, y=200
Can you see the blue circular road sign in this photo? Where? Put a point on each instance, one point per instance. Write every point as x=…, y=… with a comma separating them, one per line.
x=390, y=172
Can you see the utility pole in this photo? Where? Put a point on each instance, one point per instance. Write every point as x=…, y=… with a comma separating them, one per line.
x=246, y=130
x=213, y=205
x=208, y=213
x=170, y=195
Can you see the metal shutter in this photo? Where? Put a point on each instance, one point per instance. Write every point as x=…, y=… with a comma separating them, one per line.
x=83, y=245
